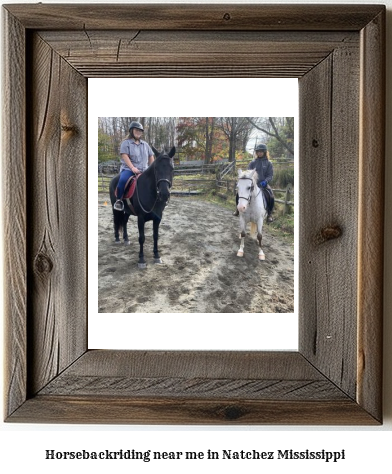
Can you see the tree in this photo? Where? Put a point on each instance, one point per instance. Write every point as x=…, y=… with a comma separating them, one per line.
x=233, y=127
x=104, y=147
x=280, y=129
x=191, y=136
x=209, y=127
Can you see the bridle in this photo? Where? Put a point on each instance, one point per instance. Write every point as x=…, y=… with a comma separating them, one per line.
x=165, y=180
x=251, y=191
x=157, y=181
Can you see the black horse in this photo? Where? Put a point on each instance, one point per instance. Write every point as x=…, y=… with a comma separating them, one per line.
x=148, y=201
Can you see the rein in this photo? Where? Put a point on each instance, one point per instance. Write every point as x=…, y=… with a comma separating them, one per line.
x=251, y=191
x=157, y=191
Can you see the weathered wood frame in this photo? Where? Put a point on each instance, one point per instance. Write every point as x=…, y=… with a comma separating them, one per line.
x=337, y=52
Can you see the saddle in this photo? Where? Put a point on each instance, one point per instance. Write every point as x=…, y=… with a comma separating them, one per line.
x=130, y=187
x=129, y=191
x=269, y=198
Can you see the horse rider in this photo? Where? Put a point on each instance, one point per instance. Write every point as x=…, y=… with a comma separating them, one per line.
x=136, y=156
x=265, y=172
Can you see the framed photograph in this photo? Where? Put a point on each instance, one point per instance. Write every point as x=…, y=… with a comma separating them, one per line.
x=337, y=53
x=198, y=235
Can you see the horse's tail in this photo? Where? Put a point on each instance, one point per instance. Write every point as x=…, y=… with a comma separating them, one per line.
x=118, y=220
x=253, y=230
x=112, y=188
x=118, y=216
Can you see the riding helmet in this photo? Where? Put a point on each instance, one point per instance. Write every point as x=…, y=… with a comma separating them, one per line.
x=261, y=147
x=137, y=125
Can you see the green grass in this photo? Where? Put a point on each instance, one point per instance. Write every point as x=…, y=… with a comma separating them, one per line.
x=283, y=225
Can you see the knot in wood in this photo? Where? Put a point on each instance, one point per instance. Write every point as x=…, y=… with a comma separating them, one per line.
x=43, y=264
x=328, y=233
x=315, y=143
x=232, y=413
x=227, y=16
x=69, y=129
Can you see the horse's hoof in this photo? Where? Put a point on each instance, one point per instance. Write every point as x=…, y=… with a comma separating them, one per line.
x=262, y=257
x=117, y=242
x=158, y=260
x=127, y=242
x=142, y=265
x=240, y=254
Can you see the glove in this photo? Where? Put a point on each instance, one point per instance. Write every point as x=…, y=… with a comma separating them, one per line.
x=263, y=184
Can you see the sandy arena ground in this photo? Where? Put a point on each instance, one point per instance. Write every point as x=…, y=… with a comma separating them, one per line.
x=201, y=273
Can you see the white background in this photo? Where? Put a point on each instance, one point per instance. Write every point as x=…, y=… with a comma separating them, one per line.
x=367, y=448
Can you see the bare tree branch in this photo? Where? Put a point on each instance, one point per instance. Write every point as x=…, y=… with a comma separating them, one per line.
x=275, y=134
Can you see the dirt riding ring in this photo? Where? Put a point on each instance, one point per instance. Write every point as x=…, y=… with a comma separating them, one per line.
x=201, y=272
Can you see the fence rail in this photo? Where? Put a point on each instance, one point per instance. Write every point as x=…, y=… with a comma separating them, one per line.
x=230, y=186
x=224, y=188
x=114, y=167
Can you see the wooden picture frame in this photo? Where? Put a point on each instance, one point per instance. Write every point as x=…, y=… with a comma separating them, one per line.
x=338, y=54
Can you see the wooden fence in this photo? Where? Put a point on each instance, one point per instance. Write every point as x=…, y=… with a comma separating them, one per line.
x=224, y=188
x=230, y=187
x=104, y=182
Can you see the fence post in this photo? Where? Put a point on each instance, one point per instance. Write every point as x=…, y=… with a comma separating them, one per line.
x=286, y=200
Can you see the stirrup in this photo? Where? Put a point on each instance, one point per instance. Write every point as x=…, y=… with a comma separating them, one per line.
x=118, y=205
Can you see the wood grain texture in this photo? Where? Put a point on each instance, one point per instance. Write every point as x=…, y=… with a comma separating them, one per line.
x=193, y=53
x=193, y=17
x=57, y=196
x=208, y=364
x=103, y=409
x=335, y=378
x=208, y=375
x=14, y=224
x=371, y=215
x=329, y=136
x=188, y=387
x=192, y=387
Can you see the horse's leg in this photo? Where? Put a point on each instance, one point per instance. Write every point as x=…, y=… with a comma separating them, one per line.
x=140, y=224
x=125, y=230
x=117, y=219
x=117, y=225
x=156, y=222
x=240, y=252
x=260, y=237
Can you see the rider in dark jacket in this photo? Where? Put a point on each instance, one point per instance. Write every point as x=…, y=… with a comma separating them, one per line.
x=265, y=172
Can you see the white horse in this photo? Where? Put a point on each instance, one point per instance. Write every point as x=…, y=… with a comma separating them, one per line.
x=251, y=207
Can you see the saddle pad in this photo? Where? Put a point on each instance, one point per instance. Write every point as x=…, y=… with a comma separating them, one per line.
x=130, y=187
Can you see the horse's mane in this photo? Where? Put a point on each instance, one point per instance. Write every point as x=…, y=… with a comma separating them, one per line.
x=250, y=174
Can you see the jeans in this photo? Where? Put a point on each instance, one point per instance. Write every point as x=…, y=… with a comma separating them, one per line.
x=124, y=176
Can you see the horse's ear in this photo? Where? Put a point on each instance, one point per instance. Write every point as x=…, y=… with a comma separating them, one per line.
x=172, y=152
x=156, y=152
x=252, y=173
x=239, y=172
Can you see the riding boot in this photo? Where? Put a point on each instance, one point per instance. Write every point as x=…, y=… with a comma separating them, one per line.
x=236, y=212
